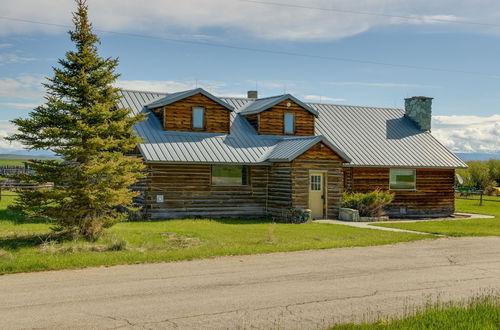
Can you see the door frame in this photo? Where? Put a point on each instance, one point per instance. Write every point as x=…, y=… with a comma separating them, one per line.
x=324, y=174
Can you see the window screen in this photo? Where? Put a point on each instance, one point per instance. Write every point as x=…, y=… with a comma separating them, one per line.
x=402, y=179
x=198, y=118
x=289, y=123
x=229, y=175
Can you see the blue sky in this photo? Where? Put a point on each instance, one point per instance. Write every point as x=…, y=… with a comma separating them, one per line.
x=466, y=106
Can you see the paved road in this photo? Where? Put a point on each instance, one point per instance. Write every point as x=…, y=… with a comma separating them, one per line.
x=299, y=290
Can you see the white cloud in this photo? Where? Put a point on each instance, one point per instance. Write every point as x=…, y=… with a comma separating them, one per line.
x=170, y=86
x=319, y=98
x=7, y=129
x=428, y=19
x=163, y=17
x=20, y=105
x=25, y=87
x=468, y=133
x=9, y=58
x=6, y=45
x=378, y=84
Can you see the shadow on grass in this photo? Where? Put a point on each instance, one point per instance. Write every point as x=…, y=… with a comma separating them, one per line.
x=18, y=218
x=16, y=242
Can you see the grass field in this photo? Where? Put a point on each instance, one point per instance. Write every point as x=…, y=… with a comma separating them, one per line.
x=28, y=245
x=478, y=313
x=12, y=162
x=472, y=227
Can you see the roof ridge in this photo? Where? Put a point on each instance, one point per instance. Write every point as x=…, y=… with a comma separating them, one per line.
x=142, y=91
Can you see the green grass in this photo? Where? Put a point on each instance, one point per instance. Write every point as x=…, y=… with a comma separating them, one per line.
x=478, y=313
x=29, y=245
x=12, y=162
x=472, y=227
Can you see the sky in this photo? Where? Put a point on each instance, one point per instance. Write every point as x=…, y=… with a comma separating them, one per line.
x=366, y=52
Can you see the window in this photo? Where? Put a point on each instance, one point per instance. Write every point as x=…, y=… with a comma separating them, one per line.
x=229, y=175
x=315, y=182
x=289, y=123
x=198, y=118
x=402, y=179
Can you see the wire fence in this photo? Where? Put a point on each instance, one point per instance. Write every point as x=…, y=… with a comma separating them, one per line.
x=477, y=195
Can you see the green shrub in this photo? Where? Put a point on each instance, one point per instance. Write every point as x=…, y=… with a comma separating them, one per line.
x=368, y=204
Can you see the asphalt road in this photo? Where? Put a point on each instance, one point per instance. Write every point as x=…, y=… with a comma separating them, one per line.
x=298, y=290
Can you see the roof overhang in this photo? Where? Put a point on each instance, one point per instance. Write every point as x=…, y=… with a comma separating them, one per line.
x=252, y=110
x=175, y=97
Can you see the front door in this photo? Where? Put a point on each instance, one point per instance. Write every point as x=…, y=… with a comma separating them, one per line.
x=317, y=194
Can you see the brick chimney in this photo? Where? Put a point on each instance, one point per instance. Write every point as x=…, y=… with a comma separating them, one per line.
x=419, y=109
x=252, y=94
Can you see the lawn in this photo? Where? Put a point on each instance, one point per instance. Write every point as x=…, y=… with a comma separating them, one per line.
x=478, y=313
x=472, y=227
x=28, y=245
x=12, y=162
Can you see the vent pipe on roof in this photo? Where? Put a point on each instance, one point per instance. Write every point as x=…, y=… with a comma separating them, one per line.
x=252, y=94
x=419, y=109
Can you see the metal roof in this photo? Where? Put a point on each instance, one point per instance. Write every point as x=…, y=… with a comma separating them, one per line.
x=367, y=136
x=262, y=104
x=174, y=97
x=290, y=148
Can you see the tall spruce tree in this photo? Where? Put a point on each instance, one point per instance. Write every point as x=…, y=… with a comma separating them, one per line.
x=81, y=122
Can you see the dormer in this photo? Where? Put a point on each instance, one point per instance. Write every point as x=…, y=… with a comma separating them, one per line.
x=281, y=115
x=194, y=110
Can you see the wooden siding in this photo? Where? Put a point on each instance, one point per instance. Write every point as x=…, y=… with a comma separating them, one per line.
x=187, y=189
x=434, y=194
x=178, y=115
x=321, y=158
x=271, y=121
x=187, y=192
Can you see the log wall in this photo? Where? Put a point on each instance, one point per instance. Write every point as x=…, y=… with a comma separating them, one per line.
x=434, y=194
x=322, y=158
x=178, y=115
x=187, y=193
x=271, y=121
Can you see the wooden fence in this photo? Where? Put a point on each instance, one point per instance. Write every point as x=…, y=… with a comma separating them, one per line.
x=6, y=170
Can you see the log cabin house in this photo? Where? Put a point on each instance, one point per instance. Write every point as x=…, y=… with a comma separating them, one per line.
x=217, y=157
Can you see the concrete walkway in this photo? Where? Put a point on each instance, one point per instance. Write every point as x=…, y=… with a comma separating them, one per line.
x=367, y=225
x=295, y=290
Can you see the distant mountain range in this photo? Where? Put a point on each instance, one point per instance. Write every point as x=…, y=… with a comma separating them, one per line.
x=17, y=156
x=477, y=156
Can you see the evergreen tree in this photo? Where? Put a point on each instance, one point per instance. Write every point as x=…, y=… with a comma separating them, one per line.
x=82, y=123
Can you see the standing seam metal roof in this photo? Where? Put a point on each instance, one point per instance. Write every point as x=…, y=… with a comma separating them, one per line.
x=367, y=136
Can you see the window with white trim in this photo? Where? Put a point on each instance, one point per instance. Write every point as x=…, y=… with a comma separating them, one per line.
x=402, y=179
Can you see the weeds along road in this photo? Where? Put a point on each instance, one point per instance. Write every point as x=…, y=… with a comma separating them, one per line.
x=295, y=290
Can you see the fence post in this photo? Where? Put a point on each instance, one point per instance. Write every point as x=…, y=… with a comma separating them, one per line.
x=481, y=198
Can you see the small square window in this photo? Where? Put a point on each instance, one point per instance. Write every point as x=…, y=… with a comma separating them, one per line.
x=402, y=179
x=289, y=123
x=198, y=118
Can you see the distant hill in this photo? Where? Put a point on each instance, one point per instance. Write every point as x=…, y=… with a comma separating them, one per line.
x=477, y=156
x=17, y=156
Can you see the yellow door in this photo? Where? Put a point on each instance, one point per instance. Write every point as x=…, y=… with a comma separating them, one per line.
x=317, y=194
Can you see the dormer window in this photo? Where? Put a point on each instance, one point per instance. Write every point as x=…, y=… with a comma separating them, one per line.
x=289, y=123
x=198, y=118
